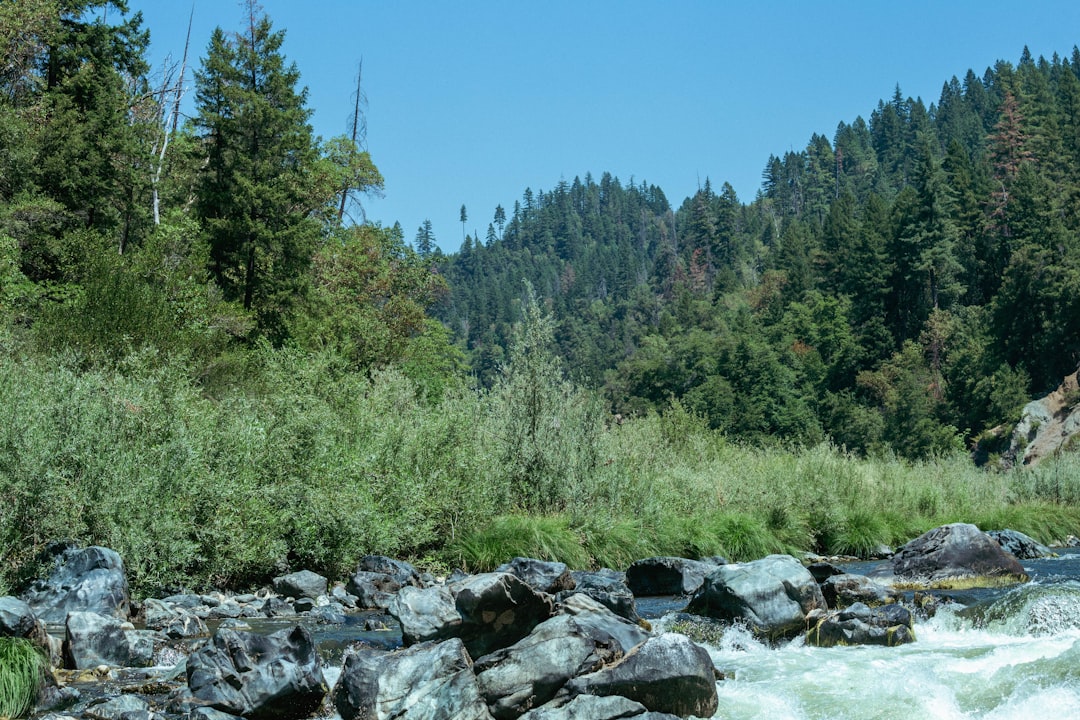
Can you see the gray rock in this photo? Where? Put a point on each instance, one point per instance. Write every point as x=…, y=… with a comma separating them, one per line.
x=173, y=621
x=548, y=577
x=772, y=596
x=595, y=615
x=666, y=673
x=262, y=677
x=117, y=708
x=93, y=640
x=1024, y=547
x=889, y=625
x=333, y=614
x=822, y=570
x=594, y=707
x=373, y=590
x=950, y=554
x=276, y=607
x=666, y=576
x=403, y=572
x=90, y=580
x=847, y=589
x=302, y=584
x=209, y=713
x=608, y=589
x=429, y=681
x=530, y=672
x=16, y=618
x=487, y=611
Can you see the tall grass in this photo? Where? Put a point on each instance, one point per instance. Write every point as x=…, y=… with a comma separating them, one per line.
x=22, y=667
x=288, y=461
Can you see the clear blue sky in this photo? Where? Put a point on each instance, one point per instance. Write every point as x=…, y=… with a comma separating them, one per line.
x=472, y=102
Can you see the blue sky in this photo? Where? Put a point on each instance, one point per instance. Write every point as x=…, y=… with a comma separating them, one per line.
x=472, y=102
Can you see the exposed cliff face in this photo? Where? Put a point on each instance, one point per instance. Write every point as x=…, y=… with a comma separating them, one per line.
x=1047, y=426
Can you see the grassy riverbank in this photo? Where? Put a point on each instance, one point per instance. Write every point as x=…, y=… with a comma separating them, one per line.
x=288, y=461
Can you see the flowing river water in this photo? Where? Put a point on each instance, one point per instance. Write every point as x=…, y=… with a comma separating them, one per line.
x=998, y=654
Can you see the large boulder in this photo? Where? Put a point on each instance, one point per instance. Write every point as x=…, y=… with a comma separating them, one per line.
x=91, y=640
x=859, y=624
x=88, y=580
x=608, y=588
x=667, y=576
x=302, y=584
x=950, y=556
x=403, y=572
x=772, y=596
x=429, y=681
x=530, y=672
x=372, y=590
x=16, y=618
x=667, y=673
x=548, y=577
x=1024, y=547
x=173, y=621
x=261, y=677
x=846, y=589
x=595, y=707
x=487, y=611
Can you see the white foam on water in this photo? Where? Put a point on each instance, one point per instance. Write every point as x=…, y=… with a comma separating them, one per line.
x=1058, y=703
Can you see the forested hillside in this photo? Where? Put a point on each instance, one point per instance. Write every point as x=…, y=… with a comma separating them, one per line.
x=902, y=286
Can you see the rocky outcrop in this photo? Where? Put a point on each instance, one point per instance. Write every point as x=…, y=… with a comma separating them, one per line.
x=487, y=611
x=1047, y=426
x=666, y=673
x=93, y=640
x=261, y=677
x=889, y=625
x=951, y=556
x=667, y=576
x=429, y=681
x=771, y=596
x=1022, y=546
x=83, y=580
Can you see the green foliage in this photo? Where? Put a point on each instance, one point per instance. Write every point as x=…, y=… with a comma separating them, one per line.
x=509, y=536
x=22, y=670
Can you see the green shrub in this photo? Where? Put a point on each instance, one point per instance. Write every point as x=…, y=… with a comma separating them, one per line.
x=22, y=667
x=510, y=536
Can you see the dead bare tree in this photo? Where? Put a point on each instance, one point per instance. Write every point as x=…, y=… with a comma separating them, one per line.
x=358, y=135
x=170, y=117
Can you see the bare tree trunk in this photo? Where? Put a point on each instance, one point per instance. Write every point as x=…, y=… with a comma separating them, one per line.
x=170, y=123
x=359, y=132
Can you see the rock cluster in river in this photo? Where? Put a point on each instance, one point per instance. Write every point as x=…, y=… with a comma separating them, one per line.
x=531, y=640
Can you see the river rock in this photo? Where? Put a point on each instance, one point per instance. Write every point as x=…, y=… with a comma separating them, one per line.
x=847, y=589
x=772, y=596
x=1024, y=547
x=530, y=672
x=373, y=590
x=92, y=640
x=429, y=681
x=666, y=576
x=548, y=577
x=595, y=707
x=122, y=707
x=608, y=588
x=889, y=625
x=88, y=580
x=487, y=611
x=173, y=621
x=667, y=673
x=262, y=677
x=302, y=584
x=822, y=570
x=403, y=572
x=16, y=618
x=951, y=554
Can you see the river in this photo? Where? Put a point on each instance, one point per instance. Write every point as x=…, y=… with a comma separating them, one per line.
x=1002, y=654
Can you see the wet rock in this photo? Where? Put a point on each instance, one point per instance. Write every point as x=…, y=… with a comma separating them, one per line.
x=666, y=673
x=92, y=640
x=17, y=619
x=88, y=580
x=594, y=707
x=276, y=607
x=609, y=589
x=889, y=625
x=429, y=681
x=487, y=611
x=548, y=577
x=209, y=713
x=122, y=707
x=530, y=672
x=401, y=571
x=822, y=570
x=772, y=596
x=339, y=593
x=174, y=622
x=592, y=614
x=302, y=584
x=666, y=576
x=262, y=677
x=953, y=555
x=846, y=589
x=1022, y=546
x=332, y=614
